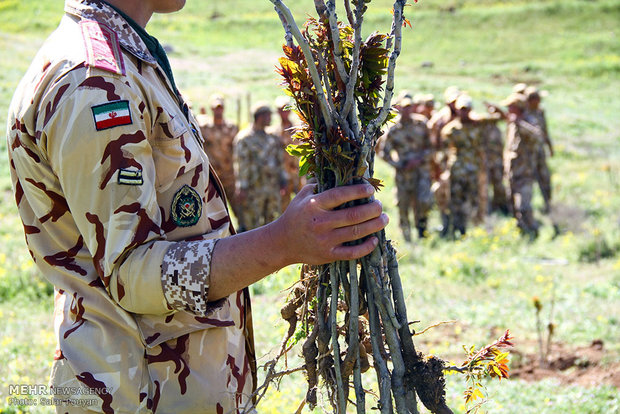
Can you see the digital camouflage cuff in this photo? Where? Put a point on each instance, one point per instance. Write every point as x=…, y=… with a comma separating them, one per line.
x=185, y=275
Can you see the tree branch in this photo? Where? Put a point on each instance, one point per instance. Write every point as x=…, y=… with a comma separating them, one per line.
x=316, y=78
x=376, y=334
x=354, y=343
x=410, y=355
x=355, y=62
x=396, y=34
x=288, y=36
x=347, y=7
x=335, y=286
x=391, y=337
x=335, y=30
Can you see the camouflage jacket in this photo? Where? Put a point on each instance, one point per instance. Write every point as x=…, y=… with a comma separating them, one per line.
x=522, y=140
x=539, y=119
x=121, y=212
x=258, y=161
x=493, y=141
x=491, y=137
x=463, y=146
x=406, y=140
x=219, y=147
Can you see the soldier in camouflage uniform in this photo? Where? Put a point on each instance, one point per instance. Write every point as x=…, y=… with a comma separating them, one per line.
x=407, y=148
x=439, y=168
x=285, y=130
x=259, y=171
x=464, y=154
x=537, y=115
x=494, y=149
x=493, y=145
x=124, y=215
x=522, y=137
x=219, y=135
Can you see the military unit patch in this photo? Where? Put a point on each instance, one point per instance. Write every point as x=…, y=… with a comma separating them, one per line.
x=111, y=114
x=130, y=177
x=186, y=207
x=103, y=50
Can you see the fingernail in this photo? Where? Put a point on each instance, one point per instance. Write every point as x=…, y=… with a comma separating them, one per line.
x=369, y=189
x=375, y=241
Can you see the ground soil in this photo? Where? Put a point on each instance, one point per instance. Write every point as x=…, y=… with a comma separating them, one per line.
x=584, y=366
x=587, y=365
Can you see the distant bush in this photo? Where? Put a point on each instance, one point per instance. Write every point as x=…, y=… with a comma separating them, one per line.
x=597, y=249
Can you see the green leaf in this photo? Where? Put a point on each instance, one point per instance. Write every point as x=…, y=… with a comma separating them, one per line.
x=304, y=166
x=300, y=150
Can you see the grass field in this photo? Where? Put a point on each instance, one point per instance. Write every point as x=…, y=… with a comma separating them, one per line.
x=486, y=281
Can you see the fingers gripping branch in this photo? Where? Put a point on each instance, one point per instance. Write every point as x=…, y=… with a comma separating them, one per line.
x=333, y=198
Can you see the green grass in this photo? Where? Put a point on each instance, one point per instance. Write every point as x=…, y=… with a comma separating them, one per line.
x=485, y=281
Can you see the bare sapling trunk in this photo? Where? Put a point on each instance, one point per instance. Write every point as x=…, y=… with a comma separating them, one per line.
x=350, y=315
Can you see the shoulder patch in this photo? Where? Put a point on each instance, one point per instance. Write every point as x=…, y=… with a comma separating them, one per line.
x=103, y=51
x=111, y=114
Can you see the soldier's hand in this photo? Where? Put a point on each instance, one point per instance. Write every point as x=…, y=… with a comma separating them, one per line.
x=312, y=231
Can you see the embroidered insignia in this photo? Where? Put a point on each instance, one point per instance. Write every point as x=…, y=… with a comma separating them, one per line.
x=103, y=50
x=186, y=207
x=130, y=177
x=111, y=114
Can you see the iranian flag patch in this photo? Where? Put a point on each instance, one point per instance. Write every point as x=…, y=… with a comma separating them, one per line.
x=111, y=114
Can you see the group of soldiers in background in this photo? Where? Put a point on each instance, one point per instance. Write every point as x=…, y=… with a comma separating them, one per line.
x=258, y=175
x=454, y=157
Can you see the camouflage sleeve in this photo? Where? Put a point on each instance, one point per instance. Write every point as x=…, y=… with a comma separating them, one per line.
x=185, y=275
x=446, y=134
x=533, y=131
x=109, y=180
x=431, y=123
x=433, y=126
